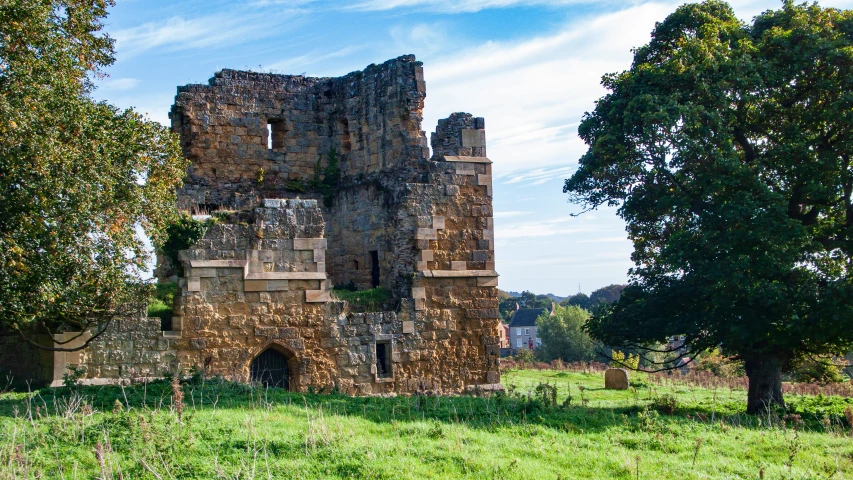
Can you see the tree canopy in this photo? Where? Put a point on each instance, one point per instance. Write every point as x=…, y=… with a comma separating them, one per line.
x=77, y=177
x=563, y=336
x=727, y=149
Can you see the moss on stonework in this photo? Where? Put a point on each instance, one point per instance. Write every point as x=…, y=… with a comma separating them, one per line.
x=364, y=300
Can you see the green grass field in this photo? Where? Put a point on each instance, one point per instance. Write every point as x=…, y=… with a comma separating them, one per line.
x=228, y=430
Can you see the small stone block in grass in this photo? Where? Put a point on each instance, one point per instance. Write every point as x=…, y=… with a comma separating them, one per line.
x=616, y=379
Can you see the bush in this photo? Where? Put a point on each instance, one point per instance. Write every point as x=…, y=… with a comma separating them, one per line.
x=182, y=234
x=819, y=370
x=720, y=365
x=620, y=360
x=666, y=404
x=525, y=356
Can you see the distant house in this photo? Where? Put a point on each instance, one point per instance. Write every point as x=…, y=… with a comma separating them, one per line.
x=503, y=331
x=522, y=328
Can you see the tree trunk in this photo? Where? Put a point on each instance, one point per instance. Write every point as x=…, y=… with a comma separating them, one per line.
x=765, y=383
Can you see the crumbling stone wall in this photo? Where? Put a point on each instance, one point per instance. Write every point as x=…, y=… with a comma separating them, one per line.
x=260, y=279
x=130, y=349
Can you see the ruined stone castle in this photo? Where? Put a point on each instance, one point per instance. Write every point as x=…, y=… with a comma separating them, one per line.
x=319, y=183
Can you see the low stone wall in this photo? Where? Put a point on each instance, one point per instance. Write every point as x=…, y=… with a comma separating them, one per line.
x=130, y=349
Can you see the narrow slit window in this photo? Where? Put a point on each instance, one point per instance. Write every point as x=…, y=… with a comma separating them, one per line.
x=343, y=132
x=383, y=359
x=275, y=135
x=374, y=268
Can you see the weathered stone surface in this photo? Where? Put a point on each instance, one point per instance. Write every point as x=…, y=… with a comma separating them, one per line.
x=259, y=279
x=616, y=379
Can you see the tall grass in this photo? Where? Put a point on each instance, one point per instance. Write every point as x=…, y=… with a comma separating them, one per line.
x=549, y=424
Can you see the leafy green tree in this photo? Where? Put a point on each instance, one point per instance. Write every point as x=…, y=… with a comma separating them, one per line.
x=578, y=300
x=727, y=149
x=605, y=295
x=563, y=336
x=77, y=177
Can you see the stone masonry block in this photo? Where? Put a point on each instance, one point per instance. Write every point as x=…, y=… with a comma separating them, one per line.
x=317, y=296
x=426, y=234
x=418, y=292
x=487, y=281
x=427, y=255
x=458, y=265
x=254, y=285
x=465, y=169
x=473, y=138
x=481, y=255
x=409, y=327
x=438, y=223
x=309, y=243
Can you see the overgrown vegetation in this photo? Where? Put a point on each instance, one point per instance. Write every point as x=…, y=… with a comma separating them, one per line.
x=162, y=301
x=557, y=423
x=326, y=180
x=363, y=300
x=181, y=234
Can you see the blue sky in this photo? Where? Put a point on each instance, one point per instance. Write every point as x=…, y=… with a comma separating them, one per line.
x=531, y=68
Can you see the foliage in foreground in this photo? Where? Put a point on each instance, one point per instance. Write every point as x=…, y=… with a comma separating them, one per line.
x=77, y=177
x=557, y=423
x=727, y=148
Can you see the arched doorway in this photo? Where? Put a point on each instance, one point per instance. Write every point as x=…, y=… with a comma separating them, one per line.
x=270, y=368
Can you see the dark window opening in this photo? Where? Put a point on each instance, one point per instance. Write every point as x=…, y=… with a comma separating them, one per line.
x=270, y=369
x=275, y=134
x=343, y=131
x=374, y=268
x=206, y=208
x=166, y=322
x=383, y=359
x=356, y=265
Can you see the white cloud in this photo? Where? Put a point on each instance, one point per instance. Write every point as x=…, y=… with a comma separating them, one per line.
x=424, y=38
x=456, y=6
x=618, y=258
x=302, y=62
x=540, y=228
x=538, y=176
x=511, y=214
x=534, y=92
x=200, y=32
x=119, y=84
x=604, y=240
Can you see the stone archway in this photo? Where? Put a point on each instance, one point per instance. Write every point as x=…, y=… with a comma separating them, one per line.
x=275, y=365
x=270, y=369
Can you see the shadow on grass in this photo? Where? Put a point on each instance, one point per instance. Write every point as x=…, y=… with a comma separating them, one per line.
x=496, y=411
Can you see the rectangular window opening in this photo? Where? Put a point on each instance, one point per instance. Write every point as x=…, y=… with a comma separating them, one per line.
x=275, y=134
x=166, y=322
x=374, y=268
x=383, y=359
x=343, y=133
